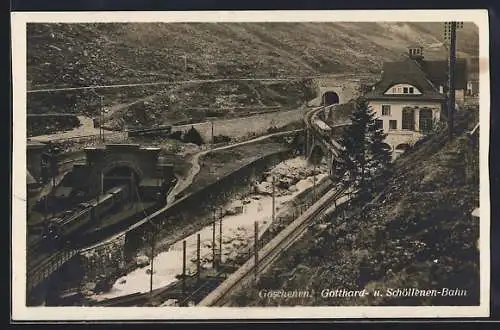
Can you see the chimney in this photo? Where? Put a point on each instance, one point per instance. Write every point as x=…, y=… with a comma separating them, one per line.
x=416, y=52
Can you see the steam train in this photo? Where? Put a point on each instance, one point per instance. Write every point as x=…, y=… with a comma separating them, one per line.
x=62, y=229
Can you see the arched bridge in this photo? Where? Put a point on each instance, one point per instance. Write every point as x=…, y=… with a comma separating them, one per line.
x=321, y=141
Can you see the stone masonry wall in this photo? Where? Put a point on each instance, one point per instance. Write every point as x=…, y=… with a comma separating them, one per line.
x=102, y=264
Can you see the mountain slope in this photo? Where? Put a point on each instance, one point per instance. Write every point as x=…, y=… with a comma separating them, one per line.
x=72, y=55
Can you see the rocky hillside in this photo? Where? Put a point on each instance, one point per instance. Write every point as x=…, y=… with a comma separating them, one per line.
x=72, y=55
x=417, y=232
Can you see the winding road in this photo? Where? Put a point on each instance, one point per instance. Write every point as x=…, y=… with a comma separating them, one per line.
x=183, y=183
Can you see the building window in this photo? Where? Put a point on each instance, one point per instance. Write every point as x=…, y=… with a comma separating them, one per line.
x=380, y=124
x=425, y=120
x=393, y=124
x=408, y=119
x=386, y=110
x=403, y=89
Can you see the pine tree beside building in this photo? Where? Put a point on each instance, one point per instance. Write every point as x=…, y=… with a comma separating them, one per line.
x=365, y=156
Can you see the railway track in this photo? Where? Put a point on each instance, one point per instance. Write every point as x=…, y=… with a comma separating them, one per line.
x=37, y=261
x=171, y=291
x=272, y=250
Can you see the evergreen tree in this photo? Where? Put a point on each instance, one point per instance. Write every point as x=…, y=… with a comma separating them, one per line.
x=193, y=136
x=365, y=156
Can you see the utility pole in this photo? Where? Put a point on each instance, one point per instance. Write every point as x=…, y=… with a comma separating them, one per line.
x=198, y=258
x=451, y=76
x=212, y=122
x=100, y=124
x=102, y=121
x=256, y=248
x=213, y=240
x=185, y=62
x=102, y=183
x=450, y=32
x=314, y=184
x=184, y=272
x=274, y=200
x=152, y=262
x=46, y=209
x=220, y=239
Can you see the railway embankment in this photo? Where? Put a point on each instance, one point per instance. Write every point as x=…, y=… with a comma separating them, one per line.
x=125, y=252
x=417, y=232
x=294, y=190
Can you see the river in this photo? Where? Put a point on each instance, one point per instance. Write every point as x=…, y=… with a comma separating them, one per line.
x=237, y=230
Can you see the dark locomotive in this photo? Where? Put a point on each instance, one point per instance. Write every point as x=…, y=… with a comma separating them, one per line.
x=62, y=230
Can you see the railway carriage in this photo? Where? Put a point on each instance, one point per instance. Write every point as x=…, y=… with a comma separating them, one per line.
x=60, y=230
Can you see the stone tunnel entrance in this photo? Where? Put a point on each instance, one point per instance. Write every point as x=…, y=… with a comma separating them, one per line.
x=330, y=98
x=120, y=175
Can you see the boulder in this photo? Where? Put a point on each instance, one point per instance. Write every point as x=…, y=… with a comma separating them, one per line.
x=232, y=255
x=227, y=240
x=142, y=260
x=235, y=207
x=87, y=293
x=285, y=182
x=264, y=188
x=89, y=286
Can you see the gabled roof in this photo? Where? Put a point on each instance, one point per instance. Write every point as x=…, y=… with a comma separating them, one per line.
x=427, y=76
x=437, y=72
x=409, y=72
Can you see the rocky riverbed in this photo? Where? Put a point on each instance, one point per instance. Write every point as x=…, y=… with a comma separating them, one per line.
x=291, y=177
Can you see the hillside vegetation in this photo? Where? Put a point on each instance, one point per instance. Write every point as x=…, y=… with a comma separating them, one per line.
x=418, y=233
x=72, y=55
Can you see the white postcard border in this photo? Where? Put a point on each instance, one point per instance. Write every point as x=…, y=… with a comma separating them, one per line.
x=21, y=312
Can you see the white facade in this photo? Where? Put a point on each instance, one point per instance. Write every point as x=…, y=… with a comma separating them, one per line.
x=392, y=121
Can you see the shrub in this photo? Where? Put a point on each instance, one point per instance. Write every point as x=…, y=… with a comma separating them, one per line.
x=221, y=139
x=193, y=136
x=176, y=135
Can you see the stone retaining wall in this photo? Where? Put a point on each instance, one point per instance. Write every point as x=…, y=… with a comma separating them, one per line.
x=185, y=216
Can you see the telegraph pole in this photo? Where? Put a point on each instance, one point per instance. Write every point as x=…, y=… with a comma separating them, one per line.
x=314, y=184
x=451, y=76
x=102, y=117
x=256, y=247
x=198, y=258
x=214, y=263
x=220, y=239
x=274, y=199
x=185, y=62
x=212, y=122
x=152, y=261
x=450, y=32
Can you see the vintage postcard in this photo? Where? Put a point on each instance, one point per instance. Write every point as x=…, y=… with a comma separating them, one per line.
x=250, y=165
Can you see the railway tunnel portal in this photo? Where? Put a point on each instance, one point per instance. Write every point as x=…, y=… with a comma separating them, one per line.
x=115, y=164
